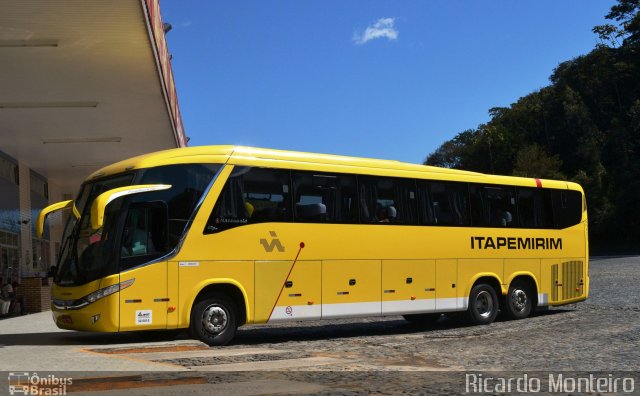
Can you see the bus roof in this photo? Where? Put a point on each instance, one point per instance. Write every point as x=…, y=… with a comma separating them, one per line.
x=252, y=156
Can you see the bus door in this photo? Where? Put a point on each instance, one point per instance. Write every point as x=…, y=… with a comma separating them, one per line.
x=144, y=304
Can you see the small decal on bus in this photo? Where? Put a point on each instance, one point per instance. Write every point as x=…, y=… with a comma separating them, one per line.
x=189, y=263
x=144, y=317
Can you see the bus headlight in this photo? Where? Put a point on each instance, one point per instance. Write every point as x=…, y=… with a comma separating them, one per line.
x=92, y=297
x=107, y=291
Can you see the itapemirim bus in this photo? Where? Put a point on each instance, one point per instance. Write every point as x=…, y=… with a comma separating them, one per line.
x=212, y=238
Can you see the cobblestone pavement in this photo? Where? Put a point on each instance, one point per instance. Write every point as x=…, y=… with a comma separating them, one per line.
x=389, y=355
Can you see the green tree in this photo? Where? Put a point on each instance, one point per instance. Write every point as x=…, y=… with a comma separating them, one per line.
x=533, y=161
x=584, y=127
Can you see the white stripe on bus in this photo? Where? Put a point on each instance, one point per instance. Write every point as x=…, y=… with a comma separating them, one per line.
x=349, y=310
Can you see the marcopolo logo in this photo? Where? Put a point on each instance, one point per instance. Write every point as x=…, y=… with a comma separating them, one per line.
x=274, y=244
x=32, y=384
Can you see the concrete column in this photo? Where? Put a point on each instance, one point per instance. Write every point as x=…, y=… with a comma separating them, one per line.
x=26, y=254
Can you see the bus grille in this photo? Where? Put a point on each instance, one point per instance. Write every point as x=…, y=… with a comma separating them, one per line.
x=554, y=282
x=572, y=279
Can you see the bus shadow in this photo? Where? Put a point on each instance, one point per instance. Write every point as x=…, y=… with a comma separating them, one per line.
x=277, y=335
x=78, y=338
x=249, y=335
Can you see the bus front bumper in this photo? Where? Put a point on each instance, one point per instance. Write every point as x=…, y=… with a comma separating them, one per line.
x=101, y=315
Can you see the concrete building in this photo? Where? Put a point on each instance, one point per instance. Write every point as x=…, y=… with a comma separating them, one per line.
x=82, y=84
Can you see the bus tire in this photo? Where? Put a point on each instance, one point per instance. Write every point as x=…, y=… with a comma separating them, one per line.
x=422, y=319
x=483, y=305
x=214, y=320
x=518, y=302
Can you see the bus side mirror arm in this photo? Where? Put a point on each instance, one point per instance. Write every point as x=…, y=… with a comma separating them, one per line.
x=100, y=203
x=42, y=216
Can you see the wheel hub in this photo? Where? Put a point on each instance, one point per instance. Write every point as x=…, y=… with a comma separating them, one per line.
x=518, y=300
x=214, y=319
x=484, y=304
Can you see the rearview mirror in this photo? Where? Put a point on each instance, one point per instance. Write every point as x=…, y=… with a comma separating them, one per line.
x=54, y=208
x=100, y=203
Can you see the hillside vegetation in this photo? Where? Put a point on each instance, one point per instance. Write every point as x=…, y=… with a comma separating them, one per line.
x=583, y=127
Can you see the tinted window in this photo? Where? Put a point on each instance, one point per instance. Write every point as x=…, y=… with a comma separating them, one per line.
x=449, y=203
x=534, y=208
x=188, y=183
x=324, y=197
x=252, y=195
x=144, y=236
x=567, y=207
x=493, y=206
x=387, y=200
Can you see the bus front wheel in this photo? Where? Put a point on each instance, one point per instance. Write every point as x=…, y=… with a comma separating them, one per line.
x=483, y=304
x=214, y=320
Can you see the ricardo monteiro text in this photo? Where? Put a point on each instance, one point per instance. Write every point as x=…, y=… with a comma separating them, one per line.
x=513, y=243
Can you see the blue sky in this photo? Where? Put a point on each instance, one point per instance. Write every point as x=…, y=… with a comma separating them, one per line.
x=382, y=79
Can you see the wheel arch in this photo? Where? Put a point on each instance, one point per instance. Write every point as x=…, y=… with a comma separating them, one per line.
x=489, y=278
x=230, y=287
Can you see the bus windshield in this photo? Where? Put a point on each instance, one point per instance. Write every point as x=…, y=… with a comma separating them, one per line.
x=87, y=254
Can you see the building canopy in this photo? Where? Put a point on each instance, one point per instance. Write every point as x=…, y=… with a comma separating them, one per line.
x=84, y=84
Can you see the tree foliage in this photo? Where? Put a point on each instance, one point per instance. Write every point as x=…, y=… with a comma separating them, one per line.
x=584, y=127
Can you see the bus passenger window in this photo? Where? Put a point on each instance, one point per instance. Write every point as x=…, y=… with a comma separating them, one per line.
x=324, y=197
x=388, y=200
x=424, y=204
x=267, y=192
x=493, y=206
x=252, y=195
x=449, y=203
x=526, y=207
x=567, y=207
x=534, y=208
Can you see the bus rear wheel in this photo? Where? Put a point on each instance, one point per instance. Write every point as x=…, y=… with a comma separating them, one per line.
x=483, y=305
x=422, y=319
x=214, y=320
x=518, y=301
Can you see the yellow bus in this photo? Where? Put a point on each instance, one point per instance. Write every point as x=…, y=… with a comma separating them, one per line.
x=212, y=238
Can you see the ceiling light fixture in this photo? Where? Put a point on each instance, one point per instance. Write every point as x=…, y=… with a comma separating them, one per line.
x=88, y=165
x=42, y=105
x=112, y=139
x=28, y=43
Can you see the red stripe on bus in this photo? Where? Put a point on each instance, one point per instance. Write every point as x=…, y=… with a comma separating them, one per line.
x=538, y=183
x=287, y=278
